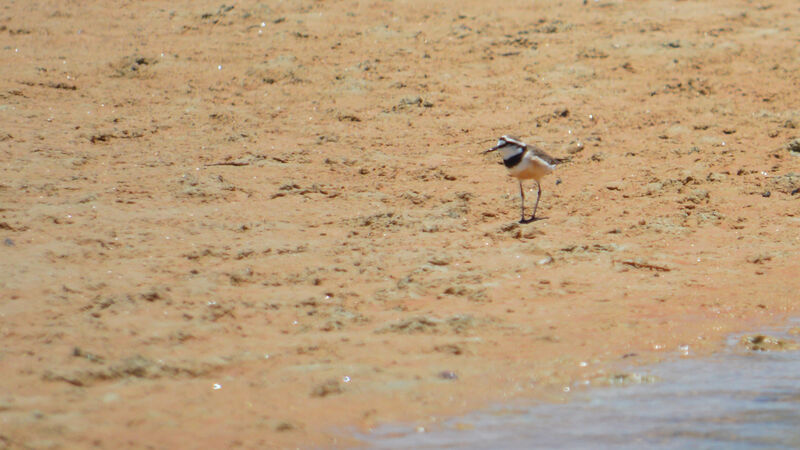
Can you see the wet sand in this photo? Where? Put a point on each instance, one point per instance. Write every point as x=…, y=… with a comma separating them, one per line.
x=741, y=397
x=262, y=225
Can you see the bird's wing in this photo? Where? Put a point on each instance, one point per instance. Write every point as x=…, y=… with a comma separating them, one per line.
x=538, y=152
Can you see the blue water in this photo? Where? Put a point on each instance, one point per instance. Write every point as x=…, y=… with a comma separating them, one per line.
x=733, y=400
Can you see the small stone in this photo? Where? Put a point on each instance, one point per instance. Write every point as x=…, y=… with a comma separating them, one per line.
x=284, y=426
x=615, y=186
x=460, y=291
x=687, y=176
x=574, y=147
x=448, y=375
x=651, y=188
x=794, y=145
x=766, y=194
x=430, y=227
x=155, y=293
x=329, y=387
x=441, y=260
x=597, y=157
x=453, y=349
x=413, y=101
x=760, y=258
x=698, y=196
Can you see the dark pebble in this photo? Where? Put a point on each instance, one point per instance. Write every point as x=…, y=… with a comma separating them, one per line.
x=766, y=194
x=8, y=242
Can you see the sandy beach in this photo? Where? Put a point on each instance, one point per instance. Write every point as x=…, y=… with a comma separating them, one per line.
x=268, y=224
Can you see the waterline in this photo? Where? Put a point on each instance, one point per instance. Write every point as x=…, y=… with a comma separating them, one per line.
x=734, y=399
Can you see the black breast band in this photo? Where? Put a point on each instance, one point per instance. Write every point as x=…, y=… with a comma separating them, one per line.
x=514, y=160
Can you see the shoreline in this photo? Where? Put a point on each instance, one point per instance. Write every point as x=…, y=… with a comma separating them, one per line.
x=712, y=399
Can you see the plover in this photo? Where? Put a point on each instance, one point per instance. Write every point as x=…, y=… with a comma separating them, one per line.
x=525, y=162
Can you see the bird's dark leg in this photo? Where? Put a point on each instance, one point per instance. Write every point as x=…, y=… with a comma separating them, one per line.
x=522, y=202
x=538, y=195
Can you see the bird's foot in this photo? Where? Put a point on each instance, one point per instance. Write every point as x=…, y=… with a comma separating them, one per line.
x=532, y=219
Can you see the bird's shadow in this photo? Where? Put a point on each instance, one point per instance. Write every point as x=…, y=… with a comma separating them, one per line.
x=532, y=219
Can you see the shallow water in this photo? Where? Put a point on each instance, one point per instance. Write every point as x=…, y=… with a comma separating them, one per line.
x=734, y=399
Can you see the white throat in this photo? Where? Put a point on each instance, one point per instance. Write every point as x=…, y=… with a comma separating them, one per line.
x=510, y=150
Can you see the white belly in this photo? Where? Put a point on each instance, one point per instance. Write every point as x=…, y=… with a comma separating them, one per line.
x=531, y=167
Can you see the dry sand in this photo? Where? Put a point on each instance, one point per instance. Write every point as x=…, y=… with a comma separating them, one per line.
x=266, y=224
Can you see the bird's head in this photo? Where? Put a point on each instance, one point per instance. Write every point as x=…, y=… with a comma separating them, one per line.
x=502, y=142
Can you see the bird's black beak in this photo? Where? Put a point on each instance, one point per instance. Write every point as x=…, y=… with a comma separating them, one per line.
x=491, y=149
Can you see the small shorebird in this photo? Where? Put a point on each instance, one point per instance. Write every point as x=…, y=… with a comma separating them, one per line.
x=525, y=162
